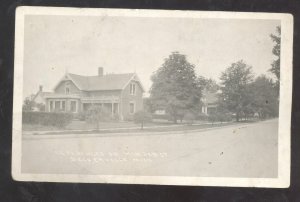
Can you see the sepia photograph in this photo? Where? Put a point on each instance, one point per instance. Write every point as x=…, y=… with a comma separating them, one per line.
x=152, y=97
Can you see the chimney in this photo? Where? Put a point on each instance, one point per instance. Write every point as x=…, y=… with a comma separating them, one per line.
x=100, y=71
x=41, y=88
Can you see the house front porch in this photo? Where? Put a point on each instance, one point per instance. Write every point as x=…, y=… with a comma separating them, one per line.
x=78, y=104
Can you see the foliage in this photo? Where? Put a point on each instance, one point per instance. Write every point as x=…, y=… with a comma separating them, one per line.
x=161, y=116
x=175, y=86
x=236, y=96
x=220, y=116
x=190, y=117
x=57, y=119
x=202, y=117
x=264, y=97
x=275, y=69
x=223, y=115
x=209, y=85
x=148, y=105
x=142, y=117
x=96, y=114
x=28, y=104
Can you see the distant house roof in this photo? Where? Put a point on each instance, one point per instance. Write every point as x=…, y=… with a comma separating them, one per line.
x=105, y=82
x=42, y=94
x=211, y=98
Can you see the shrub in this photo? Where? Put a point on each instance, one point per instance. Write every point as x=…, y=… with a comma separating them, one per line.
x=142, y=117
x=220, y=117
x=161, y=116
x=96, y=114
x=189, y=117
x=58, y=119
x=81, y=116
x=128, y=117
x=202, y=117
x=212, y=118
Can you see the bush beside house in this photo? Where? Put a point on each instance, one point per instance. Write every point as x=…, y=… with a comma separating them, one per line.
x=57, y=119
x=97, y=114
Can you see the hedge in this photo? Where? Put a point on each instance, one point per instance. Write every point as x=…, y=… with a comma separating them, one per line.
x=58, y=119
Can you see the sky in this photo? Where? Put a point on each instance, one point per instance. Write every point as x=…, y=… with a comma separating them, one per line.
x=54, y=45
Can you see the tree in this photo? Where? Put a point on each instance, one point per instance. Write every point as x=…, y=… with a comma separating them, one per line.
x=148, y=105
x=175, y=86
x=142, y=117
x=275, y=69
x=265, y=100
x=209, y=84
x=236, y=95
x=96, y=114
x=28, y=104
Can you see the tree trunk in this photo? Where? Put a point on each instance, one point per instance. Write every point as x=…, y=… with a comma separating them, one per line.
x=237, y=117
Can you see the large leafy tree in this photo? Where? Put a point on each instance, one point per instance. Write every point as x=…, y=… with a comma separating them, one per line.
x=264, y=97
x=176, y=87
x=275, y=69
x=236, y=96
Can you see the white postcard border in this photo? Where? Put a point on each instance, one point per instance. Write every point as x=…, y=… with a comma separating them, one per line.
x=283, y=179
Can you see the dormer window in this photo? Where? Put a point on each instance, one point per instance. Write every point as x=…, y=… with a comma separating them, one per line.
x=132, y=89
x=67, y=90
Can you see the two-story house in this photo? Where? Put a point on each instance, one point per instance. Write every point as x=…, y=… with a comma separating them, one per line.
x=121, y=94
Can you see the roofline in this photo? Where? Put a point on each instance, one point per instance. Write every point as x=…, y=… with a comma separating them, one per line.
x=134, y=74
x=70, y=77
x=36, y=95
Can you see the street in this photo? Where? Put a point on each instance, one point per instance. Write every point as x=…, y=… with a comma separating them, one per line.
x=242, y=150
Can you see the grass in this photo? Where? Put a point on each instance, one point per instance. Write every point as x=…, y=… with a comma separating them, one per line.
x=82, y=125
x=147, y=129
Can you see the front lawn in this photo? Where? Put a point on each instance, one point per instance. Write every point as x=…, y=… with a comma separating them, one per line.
x=136, y=129
x=82, y=125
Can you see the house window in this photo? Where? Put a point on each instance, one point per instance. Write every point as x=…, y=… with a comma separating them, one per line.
x=132, y=88
x=57, y=105
x=63, y=105
x=73, y=106
x=67, y=87
x=51, y=106
x=131, y=108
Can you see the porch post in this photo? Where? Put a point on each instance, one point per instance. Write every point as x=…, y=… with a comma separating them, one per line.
x=112, y=108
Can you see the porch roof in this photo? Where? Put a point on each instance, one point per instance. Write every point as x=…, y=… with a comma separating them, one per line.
x=100, y=99
x=56, y=95
x=95, y=99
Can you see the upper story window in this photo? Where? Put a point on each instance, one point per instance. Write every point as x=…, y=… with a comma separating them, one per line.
x=132, y=88
x=67, y=85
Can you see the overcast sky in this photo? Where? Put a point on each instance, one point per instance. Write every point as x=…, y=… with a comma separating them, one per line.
x=79, y=45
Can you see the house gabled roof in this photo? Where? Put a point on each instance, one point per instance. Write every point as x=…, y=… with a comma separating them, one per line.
x=105, y=82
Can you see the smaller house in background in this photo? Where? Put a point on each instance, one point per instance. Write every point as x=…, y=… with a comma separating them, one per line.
x=40, y=99
x=209, y=102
